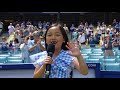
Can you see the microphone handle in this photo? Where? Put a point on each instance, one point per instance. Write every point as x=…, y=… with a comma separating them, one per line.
x=48, y=66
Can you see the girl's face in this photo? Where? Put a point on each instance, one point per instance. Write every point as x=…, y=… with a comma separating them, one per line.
x=55, y=36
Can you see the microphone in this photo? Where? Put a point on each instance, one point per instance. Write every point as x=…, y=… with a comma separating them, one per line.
x=50, y=51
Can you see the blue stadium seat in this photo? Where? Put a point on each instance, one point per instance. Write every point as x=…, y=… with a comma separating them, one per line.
x=14, y=61
x=4, y=55
x=95, y=54
x=14, y=58
x=96, y=57
x=110, y=60
x=112, y=66
x=92, y=60
x=3, y=59
x=86, y=49
x=85, y=52
x=97, y=50
x=17, y=55
x=112, y=57
x=118, y=60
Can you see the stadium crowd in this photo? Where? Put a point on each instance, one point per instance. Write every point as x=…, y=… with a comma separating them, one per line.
x=29, y=38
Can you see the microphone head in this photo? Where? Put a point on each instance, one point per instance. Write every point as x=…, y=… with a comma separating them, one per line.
x=51, y=48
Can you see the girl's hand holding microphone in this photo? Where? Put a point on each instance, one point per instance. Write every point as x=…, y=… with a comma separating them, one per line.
x=48, y=60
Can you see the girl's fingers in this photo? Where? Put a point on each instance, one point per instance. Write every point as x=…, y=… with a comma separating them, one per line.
x=67, y=47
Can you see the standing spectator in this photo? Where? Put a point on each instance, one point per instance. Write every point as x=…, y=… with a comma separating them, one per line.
x=81, y=38
x=72, y=29
x=66, y=28
x=24, y=49
x=35, y=45
x=1, y=27
x=108, y=46
x=11, y=29
x=91, y=41
x=97, y=38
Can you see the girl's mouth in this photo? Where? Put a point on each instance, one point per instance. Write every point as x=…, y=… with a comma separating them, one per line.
x=54, y=42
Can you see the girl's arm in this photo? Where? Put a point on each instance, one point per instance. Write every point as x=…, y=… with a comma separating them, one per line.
x=39, y=71
x=80, y=65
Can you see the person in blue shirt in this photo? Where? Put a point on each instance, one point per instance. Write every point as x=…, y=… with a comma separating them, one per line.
x=72, y=29
x=91, y=41
x=35, y=45
x=97, y=38
x=66, y=55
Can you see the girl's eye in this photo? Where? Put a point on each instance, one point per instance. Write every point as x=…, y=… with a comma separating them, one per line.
x=48, y=35
x=58, y=35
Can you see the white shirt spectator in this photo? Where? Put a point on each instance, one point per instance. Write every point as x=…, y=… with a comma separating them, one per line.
x=11, y=29
x=87, y=31
x=81, y=38
x=66, y=29
x=1, y=26
x=99, y=30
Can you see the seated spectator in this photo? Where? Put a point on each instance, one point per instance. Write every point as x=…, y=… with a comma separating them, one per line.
x=4, y=45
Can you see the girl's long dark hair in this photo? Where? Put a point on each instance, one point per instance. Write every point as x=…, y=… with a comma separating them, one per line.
x=62, y=30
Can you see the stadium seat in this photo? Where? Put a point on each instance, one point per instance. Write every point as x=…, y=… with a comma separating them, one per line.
x=112, y=57
x=112, y=66
x=96, y=57
x=95, y=54
x=4, y=55
x=110, y=60
x=17, y=55
x=92, y=60
x=118, y=60
x=97, y=50
x=85, y=52
x=85, y=49
x=2, y=59
x=14, y=61
x=14, y=58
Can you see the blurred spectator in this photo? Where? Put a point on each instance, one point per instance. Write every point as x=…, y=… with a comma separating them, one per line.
x=81, y=38
x=1, y=27
x=24, y=50
x=16, y=46
x=4, y=45
x=97, y=38
x=72, y=29
x=35, y=46
x=66, y=28
x=91, y=41
x=108, y=46
x=11, y=29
